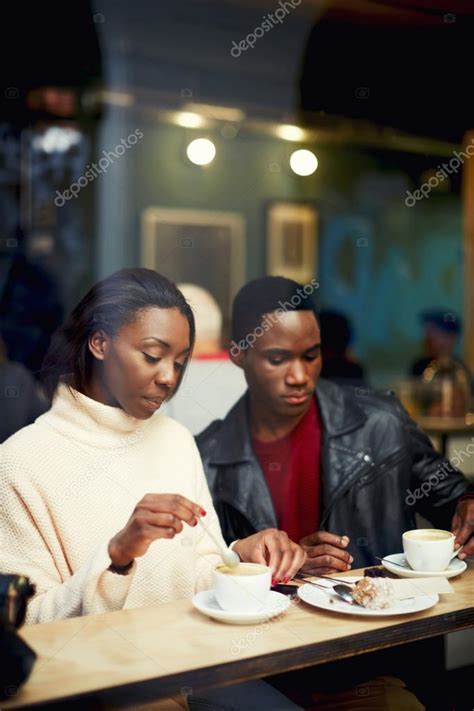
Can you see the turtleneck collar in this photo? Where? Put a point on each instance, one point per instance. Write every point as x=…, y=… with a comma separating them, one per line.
x=82, y=419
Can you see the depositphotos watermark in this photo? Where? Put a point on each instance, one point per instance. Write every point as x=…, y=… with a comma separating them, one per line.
x=248, y=640
x=271, y=19
x=274, y=317
x=95, y=169
x=444, y=470
x=442, y=172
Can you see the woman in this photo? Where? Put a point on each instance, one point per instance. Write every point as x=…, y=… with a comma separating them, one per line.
x=100, y=500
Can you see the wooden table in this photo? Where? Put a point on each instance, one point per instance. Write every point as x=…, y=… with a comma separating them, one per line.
x=156, y=652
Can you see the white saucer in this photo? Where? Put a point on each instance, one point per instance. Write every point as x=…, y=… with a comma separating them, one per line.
x=456, y=567
x=206, y=603
x=328, y=600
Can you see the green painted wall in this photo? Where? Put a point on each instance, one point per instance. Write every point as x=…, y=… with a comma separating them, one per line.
x=379, y=261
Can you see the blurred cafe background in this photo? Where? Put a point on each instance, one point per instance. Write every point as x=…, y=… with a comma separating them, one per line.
x=219, y=141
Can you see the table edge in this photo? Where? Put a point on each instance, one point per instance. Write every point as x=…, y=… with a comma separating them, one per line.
x=263, y=665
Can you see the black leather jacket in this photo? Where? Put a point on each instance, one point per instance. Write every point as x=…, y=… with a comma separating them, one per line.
x=377, y=469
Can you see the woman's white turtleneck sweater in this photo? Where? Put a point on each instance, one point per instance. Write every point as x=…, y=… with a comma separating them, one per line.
x=70, y=482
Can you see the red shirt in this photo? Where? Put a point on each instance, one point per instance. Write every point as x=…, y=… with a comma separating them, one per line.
x=291, y=466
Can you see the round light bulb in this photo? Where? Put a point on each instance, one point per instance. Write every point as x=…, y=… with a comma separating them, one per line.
x=201, y=151
x=303, y=162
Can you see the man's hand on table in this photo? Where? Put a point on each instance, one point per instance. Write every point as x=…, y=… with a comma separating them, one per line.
x=463, y=527
x=273, y=548
x=327, y=553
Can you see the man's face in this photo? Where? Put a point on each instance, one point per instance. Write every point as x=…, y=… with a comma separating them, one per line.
x=283, y=365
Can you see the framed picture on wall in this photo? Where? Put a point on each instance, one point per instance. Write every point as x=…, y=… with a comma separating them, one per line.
x=291, y=240
x=200, y=247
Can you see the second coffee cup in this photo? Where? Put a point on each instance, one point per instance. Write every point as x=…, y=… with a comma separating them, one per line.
x=428, y=549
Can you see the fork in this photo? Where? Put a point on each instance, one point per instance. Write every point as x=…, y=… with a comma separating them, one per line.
x=304, y=578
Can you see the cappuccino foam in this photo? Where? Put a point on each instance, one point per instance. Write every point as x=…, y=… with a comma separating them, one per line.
x=242, y=569
x=428, y=535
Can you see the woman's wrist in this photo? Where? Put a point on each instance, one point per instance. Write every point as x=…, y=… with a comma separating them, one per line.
x=121, y=569
x=119, y=560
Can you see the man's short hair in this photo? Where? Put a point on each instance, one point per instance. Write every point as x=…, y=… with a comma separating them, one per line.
x=265, y=296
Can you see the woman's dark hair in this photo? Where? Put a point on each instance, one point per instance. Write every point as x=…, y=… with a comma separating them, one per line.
x=109, y=305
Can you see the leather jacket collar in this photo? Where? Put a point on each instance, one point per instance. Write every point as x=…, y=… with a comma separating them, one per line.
x=339, y=415
x=372, y=456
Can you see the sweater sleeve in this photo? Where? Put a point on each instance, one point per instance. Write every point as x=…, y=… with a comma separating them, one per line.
x=24, y=550
x=207, y=554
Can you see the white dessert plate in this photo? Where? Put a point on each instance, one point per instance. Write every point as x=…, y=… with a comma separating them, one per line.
x=327, y=600
x=456, y=567
x=206, y=603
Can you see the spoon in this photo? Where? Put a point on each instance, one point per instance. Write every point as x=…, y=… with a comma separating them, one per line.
x=345, y=592
x=230, y=557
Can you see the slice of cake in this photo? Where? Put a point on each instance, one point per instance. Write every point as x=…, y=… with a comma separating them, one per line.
x=374, y=593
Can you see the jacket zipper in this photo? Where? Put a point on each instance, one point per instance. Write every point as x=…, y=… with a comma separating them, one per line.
x=390, y=460
x=341, y=493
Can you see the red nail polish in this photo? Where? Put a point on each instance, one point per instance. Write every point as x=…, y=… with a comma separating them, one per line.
x=274, y=582
x=286, y=578
x=203, y=513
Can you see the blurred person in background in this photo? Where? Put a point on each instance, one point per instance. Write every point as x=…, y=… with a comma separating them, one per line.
x=212, y=382
x=336, y=337
x=444, y=383
x=441, y=332
x=208, y=319
x=30, y=307
x=20, y=399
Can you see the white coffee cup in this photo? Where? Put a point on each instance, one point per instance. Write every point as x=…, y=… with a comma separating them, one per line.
x=244, y=588
x=429, y=549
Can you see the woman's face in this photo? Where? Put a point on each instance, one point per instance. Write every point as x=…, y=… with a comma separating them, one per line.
x=140, y=367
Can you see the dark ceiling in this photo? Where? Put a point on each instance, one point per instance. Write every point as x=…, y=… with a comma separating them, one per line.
x=405, y=64
x=403, y=13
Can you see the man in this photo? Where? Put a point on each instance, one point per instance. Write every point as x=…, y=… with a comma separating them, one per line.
x=342, y=471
